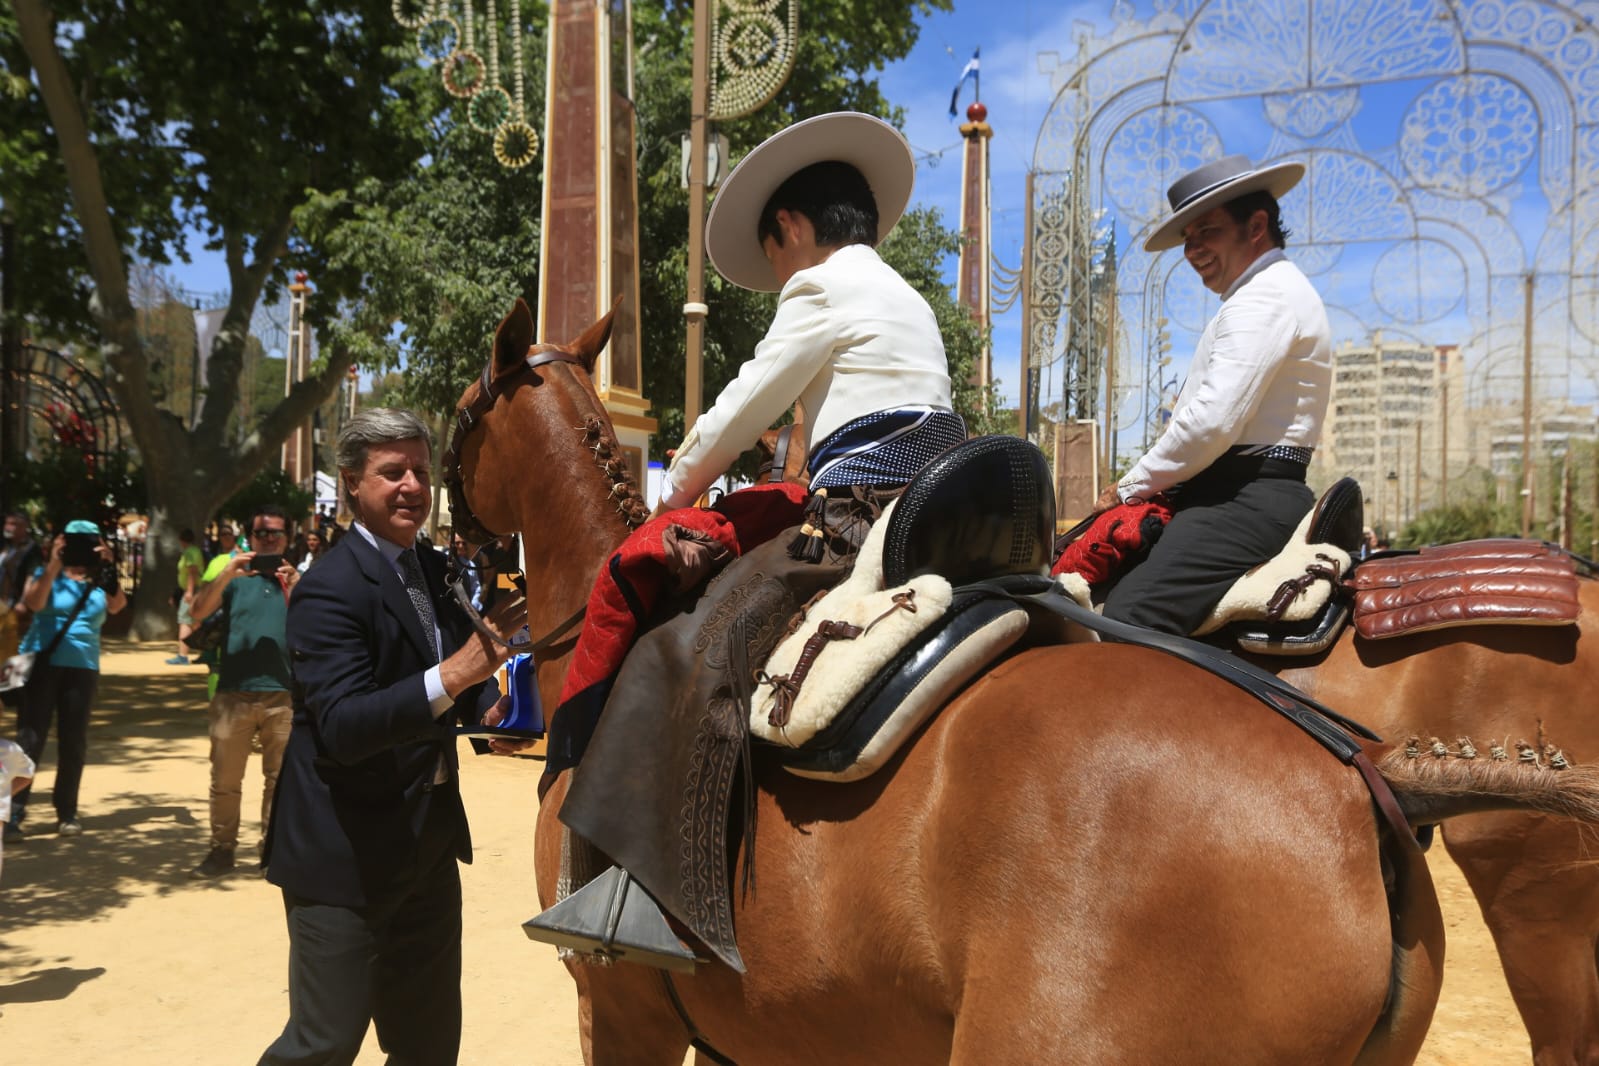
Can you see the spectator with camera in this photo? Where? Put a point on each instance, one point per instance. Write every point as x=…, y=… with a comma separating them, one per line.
x=70, y=596
x=252, y=692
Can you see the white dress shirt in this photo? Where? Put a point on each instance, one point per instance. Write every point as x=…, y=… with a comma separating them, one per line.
x=850, y=338
x=1262, y=375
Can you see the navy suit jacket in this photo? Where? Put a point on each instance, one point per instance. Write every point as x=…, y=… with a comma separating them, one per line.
x=357, y=781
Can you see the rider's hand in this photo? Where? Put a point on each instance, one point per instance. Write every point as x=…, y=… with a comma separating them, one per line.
x=1110, y=497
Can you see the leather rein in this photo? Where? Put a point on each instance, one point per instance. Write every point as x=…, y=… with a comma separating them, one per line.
x=467, y=523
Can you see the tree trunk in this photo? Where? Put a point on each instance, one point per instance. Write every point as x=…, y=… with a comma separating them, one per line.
x=173, y=507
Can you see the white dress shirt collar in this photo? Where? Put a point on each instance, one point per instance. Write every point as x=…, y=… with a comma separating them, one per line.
x=1266, y=259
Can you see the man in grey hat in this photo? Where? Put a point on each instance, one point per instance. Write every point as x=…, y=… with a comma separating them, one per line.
x=1234, y=455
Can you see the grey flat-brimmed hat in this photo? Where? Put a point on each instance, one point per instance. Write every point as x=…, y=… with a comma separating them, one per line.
x=1214, y=184
x=865, y=142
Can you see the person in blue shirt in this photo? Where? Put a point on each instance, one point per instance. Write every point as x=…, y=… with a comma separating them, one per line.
x=63, y=687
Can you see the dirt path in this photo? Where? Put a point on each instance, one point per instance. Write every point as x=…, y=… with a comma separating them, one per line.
x=109, y=954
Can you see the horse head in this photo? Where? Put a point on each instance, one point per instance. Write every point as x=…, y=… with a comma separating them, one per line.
x=531, y=437
x=533, y=452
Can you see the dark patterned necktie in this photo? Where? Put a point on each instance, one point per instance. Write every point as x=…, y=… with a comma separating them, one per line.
x=417, y=588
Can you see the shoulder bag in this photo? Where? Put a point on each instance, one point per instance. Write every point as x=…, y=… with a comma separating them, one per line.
x=15, y=671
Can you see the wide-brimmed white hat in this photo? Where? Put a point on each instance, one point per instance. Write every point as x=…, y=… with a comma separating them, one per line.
x=1214, y=184
x=865, y=142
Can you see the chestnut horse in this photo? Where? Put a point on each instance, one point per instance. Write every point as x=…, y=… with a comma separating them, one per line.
x=1534, y=877
x=1095, y=853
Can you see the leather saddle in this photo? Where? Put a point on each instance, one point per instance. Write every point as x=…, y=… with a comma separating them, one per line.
x=983, y=509
x=1321, y=550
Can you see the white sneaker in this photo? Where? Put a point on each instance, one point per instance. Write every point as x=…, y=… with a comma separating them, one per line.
x=69, y=828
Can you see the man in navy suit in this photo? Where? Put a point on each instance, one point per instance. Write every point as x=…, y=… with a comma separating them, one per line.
x=367, y=825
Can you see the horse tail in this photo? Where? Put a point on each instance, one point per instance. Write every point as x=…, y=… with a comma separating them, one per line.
x=1435, y=781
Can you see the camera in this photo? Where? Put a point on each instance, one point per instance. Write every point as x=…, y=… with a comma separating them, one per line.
x=79, y=549
x=266, y=565
x=107, y=579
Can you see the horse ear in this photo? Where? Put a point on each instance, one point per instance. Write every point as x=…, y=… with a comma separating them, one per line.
x=513, y=338
x=593, y=341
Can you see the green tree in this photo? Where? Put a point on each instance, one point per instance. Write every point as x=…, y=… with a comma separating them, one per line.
x=130, y=128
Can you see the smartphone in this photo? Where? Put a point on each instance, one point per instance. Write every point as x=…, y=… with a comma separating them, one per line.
x=266, y=564
x=80, y=549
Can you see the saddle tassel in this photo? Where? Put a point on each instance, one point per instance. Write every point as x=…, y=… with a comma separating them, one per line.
x=810, y=543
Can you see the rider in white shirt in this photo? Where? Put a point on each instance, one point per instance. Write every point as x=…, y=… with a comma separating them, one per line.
x=851, y=341
x=1234, y=456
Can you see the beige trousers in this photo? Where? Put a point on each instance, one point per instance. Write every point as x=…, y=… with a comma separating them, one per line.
x=235, y=719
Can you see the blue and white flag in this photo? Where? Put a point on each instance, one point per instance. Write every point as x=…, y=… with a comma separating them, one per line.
x=971, y=70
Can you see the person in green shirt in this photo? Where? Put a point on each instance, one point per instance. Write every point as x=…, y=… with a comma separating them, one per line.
x=228, y=546
x=252, y=678
x=191, y=564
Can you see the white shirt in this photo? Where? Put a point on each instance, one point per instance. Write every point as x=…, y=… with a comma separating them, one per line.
x=1262, y=375
x=850, y=337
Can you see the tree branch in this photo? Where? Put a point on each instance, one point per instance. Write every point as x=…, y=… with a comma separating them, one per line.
x=303, y=399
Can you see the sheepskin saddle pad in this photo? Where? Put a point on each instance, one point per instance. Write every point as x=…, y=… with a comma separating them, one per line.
x=1288, y=605
x=881, y=652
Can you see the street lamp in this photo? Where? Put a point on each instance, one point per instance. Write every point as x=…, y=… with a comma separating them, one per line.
x=1393, y=483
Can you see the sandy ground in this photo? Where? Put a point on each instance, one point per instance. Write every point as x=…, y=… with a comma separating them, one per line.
x=110, y=954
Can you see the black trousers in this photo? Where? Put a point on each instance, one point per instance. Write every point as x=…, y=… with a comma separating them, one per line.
x=395, y=962
x=64, y=694
x=1236, y=515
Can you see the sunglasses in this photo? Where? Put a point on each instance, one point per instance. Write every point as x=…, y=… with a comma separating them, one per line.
x=262, y=531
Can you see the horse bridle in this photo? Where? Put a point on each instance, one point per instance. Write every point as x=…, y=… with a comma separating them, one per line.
x=466, y=522
x=462, y=517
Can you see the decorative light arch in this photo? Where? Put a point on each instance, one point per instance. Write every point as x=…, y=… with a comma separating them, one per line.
x=1452, y=149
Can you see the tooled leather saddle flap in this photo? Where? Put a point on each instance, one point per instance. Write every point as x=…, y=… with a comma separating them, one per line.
x=1498, y=582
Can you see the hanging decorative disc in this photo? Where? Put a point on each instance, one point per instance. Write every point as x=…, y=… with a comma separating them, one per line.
x=489, y=109
x=464, y=73
x=439, y=38
x=515, y=144
x=752, y=53
x=412, y=14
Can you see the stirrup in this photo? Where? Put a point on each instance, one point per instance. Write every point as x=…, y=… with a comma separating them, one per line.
x=613, y=916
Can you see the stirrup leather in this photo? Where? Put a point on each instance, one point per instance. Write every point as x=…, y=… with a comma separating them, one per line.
x=614, y=916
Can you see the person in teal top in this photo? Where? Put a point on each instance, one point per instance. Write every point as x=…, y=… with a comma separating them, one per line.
x=252, y=679
x=63, y=687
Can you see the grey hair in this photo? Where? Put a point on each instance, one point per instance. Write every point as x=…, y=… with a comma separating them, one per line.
x=375, y=425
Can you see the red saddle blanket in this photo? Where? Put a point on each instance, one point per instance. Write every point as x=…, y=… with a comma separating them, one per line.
x=1499, y=582
x=672, y=552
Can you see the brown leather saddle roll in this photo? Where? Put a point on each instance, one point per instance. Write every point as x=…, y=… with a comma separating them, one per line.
x=1500, y=582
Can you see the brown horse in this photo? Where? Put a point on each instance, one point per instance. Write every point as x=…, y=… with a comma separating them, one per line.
x=1535, y=877
x=1094, y=853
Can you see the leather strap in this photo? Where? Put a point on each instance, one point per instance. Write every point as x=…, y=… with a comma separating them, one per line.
x=696, y=1039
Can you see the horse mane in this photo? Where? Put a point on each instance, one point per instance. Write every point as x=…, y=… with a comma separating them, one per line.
x=600, y=437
